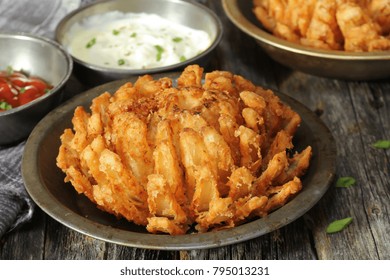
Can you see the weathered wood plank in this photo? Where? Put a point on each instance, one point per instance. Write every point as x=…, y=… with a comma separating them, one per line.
x=117, y=252
x=352, y=120
x=63, y=243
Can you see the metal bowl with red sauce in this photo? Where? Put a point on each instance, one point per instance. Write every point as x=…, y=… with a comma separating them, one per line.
x=18, y=88
x=29, y=66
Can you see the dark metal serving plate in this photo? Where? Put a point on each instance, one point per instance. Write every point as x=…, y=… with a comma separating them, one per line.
x=335, y=64
x=45, y=183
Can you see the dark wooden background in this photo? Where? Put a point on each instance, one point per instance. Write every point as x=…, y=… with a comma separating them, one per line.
x=357, y=113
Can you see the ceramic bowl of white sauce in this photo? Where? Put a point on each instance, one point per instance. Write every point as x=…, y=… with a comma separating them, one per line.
x=116, y=39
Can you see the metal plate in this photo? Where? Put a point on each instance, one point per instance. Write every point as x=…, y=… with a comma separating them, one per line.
x=45, y=184
x=326, y=63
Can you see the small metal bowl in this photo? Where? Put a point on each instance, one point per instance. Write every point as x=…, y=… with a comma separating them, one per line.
x=187, y=13
x=331, y=64
x=37, y=56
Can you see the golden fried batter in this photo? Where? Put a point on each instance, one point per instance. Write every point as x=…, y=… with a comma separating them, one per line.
x=350, y=25
x=208, y=154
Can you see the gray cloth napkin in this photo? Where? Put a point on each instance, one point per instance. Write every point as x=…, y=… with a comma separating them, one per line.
x=16, y=207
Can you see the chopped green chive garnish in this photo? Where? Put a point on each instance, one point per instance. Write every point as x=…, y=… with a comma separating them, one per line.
x=177, y=39
x=22, y=90
x=91, y=43
x=5, y=106
x=338, y=225
x=115, y=32
x=10, y=70
x=382, y=144
x=160, y=50
x=121, y=62
x=183, y=58
x=133, y=35
x=345, y=182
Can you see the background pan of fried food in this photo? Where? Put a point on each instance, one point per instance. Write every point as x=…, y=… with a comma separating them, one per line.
x=212, y=153
x=350, y=25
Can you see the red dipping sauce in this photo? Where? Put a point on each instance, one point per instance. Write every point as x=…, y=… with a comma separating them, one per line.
x=17, y=89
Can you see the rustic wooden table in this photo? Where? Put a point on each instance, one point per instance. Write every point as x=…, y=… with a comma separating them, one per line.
x=357, y=113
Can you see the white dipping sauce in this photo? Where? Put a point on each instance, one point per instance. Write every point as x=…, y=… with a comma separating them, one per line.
x=134, y=41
